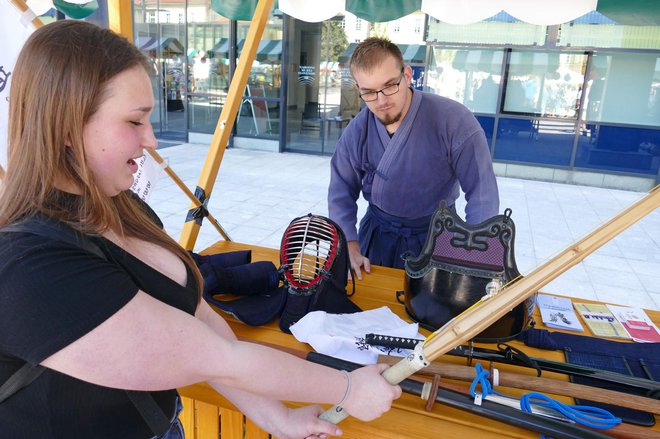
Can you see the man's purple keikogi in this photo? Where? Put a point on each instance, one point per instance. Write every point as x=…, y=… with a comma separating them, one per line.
x=438, y=146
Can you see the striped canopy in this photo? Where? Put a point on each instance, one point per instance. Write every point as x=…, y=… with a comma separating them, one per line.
x=489, y=61
x=412, y=53
x=268, y=51
x=167, y=45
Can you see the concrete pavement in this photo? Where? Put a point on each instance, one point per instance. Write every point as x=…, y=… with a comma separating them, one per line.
x=258, y=193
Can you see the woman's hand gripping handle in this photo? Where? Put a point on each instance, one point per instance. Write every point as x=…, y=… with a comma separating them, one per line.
x=393, y=375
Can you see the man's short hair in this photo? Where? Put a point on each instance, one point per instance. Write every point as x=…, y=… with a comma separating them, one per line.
x=370, y=53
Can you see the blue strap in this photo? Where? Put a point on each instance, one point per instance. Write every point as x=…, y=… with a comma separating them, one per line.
x=593, y=417
x=482, y=380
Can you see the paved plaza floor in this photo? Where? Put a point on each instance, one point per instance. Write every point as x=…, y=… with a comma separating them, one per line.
x=258, y=193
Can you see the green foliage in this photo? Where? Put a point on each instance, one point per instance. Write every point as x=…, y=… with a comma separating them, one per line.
x=334, y=41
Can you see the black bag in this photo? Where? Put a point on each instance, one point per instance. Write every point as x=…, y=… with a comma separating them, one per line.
x=314, y=263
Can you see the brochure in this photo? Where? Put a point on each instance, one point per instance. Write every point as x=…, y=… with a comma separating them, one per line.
x=637, y=323
x=557, y=312
x=600, y=320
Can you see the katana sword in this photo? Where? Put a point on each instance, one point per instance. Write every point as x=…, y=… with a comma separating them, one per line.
x=648, y=388
x=484, y=313
x=412, y=386
x=540, y=424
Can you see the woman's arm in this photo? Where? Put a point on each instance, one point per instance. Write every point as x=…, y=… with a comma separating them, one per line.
x=148, y=345
x=270, y=414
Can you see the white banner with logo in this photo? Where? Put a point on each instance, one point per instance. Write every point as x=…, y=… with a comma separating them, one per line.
x=13, y=33
x=146, y=177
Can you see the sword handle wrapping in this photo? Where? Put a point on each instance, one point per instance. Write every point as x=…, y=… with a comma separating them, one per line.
x=389, y=341
x=335, y=415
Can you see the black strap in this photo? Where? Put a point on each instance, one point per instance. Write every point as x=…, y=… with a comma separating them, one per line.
x=21, y=378
x=151, y=412
x=49, y=227
x=512, y=353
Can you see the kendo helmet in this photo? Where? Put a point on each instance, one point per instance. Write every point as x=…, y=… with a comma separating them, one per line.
x=458, y=265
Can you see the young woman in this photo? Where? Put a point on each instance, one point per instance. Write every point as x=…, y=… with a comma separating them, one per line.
x=131, y=318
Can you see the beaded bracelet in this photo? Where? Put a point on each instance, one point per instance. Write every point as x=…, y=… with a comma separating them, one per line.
x=348, y=389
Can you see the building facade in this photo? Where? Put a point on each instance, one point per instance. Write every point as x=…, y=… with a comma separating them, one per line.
x=576, y=102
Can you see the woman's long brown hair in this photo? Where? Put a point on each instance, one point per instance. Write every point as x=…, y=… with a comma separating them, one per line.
x=58, y=83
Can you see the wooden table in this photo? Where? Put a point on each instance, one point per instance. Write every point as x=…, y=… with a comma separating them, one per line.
x=206, y=413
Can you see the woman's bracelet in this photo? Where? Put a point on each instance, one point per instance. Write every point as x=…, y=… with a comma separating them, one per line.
x=348, y=389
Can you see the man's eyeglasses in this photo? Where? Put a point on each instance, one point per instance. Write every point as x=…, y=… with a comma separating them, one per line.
x=371, y=96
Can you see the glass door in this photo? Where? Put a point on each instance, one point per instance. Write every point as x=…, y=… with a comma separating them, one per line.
x=317, y=86
x=160, y=32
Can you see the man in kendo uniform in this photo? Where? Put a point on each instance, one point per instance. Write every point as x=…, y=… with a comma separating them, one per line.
x=406, y=151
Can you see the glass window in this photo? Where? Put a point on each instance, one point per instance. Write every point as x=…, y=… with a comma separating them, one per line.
x=624, y=88
x=418, y=26
x=162, y=38
x=617, y=148
x=488, y=124
x=535, y=141
x=501, y=29
x=259, y=114
x=596, y=30
x=322, y=97
x=544, y=84
x=469, y=76
x=208, y=67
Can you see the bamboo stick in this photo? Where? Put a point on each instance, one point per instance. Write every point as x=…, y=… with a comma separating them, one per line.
x=480, y=316
x=477, y=318
x=228, y=114
x=540, y=384
x=188, y=193
x=23, y=7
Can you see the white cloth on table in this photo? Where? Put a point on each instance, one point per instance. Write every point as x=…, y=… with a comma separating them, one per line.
x=343, y=335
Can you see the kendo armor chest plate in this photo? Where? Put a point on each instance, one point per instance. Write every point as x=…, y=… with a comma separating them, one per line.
x=457, y=266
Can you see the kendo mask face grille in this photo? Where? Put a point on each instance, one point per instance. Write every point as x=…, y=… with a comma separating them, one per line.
x=314, y=264
x=309, y=248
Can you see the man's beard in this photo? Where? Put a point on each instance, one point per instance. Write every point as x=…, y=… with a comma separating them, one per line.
x=390, y=120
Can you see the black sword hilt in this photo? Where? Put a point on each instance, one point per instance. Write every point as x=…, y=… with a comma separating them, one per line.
x=389, y=341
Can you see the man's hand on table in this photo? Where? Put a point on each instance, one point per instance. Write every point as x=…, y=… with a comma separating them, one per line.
x=357, y=260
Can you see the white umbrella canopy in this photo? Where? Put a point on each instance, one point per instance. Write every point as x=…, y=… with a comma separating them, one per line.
x=312, y=12
x=71, y=8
